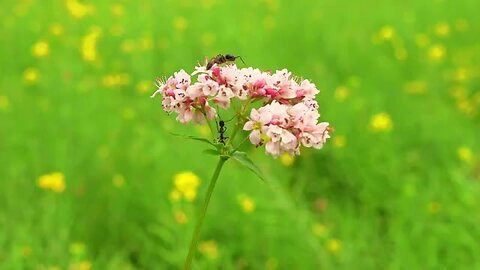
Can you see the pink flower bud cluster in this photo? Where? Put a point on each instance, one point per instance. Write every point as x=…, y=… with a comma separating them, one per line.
x=288, y=120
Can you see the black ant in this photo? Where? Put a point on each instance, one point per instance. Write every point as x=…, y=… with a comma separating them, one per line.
x=221, y=130
x=222, y=59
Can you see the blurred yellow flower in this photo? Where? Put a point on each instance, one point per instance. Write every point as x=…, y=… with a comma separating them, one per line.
x=339, y=141
x=31, y=75
x=118, y=181
x=204, y=130
x=437, y=52
x=319, y=230
x=145, y=87
x=4, y=103
x=334, y=246
x=77, y=9
x=187, y=183
x=247, y=204
x=118, y=10
x=341, y=93
x=415, y=87
x=461, y=74
x=180, y=23
x=127, y=46
x=40, y=49
x=465, y=154
x=466, y=107
x=175, y=195
x=209, y=249
x=116, y=80
x=181, y=217
x=83, y=265
x=287, y=160
x=386, y=33
x=442, y=29
x=422, y=40
x=433, y=208
x=146, y=43
x=56, y=29
x=89, y=44
x=54, y=181
x=381, y=122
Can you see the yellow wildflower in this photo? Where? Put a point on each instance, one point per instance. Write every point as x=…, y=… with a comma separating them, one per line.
x=181, y=217
x=116, y=80
x=54, y=181
x=341, y=93
x=40, y=49
x=180, y=23
x=381, y=122
x=209, y=249
x=319, y=230
x=89, y=44
x=334, y=246
x=461, y=74
x=465, y=154
x=387, y=33
x=31, y=76
x=4, y=103
x=287, y=160
x=127, y=46
x=442, y=29
x=437, y=52
x=118, y=10
x=77, y=9
x=339, y=141
x=118, y=180
x=422, y=40
x=187, y=183
x=247, y=204
x=83, y=265
x=204, y=130
x=146, y=43
x=56, y=29
x=415, y=87
x=175, y=195
x=433, y=208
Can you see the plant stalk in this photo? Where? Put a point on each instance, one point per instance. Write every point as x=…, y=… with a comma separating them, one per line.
x=198, y=226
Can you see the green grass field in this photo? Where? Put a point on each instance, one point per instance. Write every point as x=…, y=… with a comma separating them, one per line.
x=87, y=162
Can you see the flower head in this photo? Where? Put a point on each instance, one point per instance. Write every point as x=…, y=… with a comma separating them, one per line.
x=287, y=120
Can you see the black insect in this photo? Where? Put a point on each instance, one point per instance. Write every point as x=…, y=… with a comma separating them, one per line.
x=221, y=131
x=222, y=59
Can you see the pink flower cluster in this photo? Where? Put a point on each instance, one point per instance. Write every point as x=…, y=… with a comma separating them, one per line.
x=288, y=119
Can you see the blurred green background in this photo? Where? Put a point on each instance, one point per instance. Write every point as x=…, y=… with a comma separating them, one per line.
x=87, y=164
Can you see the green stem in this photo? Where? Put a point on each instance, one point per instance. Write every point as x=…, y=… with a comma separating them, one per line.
x=239, y=120
x=239, y=145
x=198, y=227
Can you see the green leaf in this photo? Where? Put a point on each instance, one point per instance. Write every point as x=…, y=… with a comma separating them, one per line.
x=211, y=152
x=243, y=159
x=195, y=138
